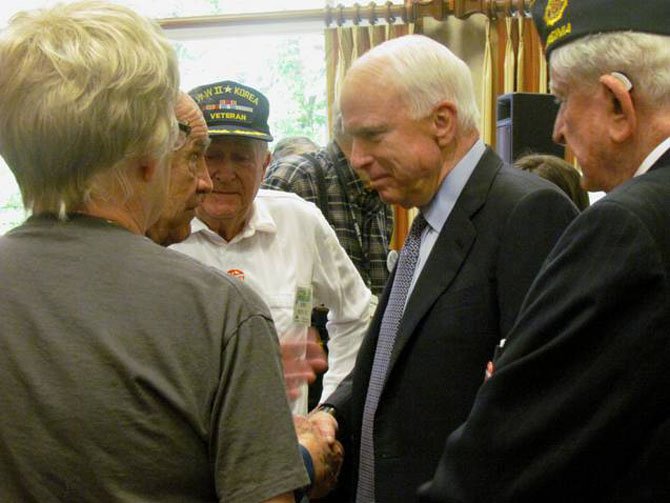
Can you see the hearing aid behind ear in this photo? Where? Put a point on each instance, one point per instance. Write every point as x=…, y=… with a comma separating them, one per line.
x=621, y=77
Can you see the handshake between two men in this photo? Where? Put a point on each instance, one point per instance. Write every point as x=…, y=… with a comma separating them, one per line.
x=301, y=362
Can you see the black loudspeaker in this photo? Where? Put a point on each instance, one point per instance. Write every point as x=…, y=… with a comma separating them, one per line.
x=525, y=122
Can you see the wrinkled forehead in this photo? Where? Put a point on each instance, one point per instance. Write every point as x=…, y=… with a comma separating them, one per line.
x=363, y=80
x=365, y=103
x=188, y=112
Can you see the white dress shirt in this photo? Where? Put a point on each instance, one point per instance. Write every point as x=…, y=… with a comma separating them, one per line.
x=288, y=247
x=653, y=156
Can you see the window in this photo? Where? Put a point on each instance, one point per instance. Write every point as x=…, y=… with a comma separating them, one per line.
x=288, y=68
x=11, y=207
x=285, y=61
x=182, y=8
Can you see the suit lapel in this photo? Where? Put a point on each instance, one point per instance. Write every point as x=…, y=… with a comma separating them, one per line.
x=449, y=252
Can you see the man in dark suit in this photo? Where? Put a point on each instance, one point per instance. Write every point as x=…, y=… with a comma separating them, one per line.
x=578, y=405
x=409, y=105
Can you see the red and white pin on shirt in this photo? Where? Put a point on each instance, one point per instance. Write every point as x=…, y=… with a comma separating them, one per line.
x=236, y=273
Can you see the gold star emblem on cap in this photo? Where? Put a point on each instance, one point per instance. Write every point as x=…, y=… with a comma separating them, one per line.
x=228, y=89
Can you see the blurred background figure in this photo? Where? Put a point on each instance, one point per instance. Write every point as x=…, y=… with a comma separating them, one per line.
x=558, y=171
x=293, y=145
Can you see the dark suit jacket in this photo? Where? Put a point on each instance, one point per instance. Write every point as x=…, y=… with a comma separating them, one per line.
x=466, y=298
x=579, y=406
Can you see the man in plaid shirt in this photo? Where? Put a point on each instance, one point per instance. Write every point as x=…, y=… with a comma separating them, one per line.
x=362, y=222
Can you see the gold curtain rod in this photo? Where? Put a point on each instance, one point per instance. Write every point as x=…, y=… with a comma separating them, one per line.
x=462, y=9
x=371, y=13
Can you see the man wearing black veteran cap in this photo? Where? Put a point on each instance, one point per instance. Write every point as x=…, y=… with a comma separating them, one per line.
x=233, y=109
x=578, y=405
x=276, y=242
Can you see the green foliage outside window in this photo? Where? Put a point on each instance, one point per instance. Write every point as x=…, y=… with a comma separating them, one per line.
x=309, y=115
x=288, y=69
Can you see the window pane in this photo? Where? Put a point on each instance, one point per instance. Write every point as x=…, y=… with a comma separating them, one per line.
x=11, y=207
x=188, y=8
x=185, y=8
x=286, y=62
x=288, y=69
x=178, y=8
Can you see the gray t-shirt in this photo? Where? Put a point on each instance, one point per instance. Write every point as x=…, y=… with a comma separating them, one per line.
x=129, y=372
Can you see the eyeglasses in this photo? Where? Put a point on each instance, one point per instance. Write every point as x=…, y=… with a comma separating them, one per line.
x=182, y=136
x=184, y=128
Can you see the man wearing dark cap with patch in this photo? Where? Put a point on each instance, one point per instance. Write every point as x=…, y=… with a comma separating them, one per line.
x=276, y=242
x=578, y=405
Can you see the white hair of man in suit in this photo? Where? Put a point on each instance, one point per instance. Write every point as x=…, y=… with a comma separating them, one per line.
x=444, y=76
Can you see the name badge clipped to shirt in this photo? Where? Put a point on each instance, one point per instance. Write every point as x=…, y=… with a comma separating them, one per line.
x=302, y=308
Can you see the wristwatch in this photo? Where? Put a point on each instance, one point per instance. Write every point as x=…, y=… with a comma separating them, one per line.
x=327, y=408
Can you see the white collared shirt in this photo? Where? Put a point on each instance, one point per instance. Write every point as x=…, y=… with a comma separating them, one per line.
x=653, y=156
x=286, y=245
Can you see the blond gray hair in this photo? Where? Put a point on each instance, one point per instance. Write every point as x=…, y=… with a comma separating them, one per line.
x=425, y=73
x=84, y=88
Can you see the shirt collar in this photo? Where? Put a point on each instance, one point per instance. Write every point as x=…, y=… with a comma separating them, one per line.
x=438, y=210
x=654, y=156
x=261, y=221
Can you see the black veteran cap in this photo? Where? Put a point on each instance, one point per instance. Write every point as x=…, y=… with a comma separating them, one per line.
x=561, y=21
x=233, y=109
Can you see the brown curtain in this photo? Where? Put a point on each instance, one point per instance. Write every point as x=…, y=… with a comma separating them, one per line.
x=344, y=43
x=519, y=64
x=513, y=62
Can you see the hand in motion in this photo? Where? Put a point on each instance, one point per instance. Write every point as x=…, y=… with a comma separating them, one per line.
x=302, y=360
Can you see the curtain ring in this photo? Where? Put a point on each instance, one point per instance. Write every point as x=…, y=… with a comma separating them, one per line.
x=340, y=15
x=490, y=9
x=390, y=18
x=328, y=17
x=521, y=8
x=357, y=14
x=508, y=7
x=373, y=14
